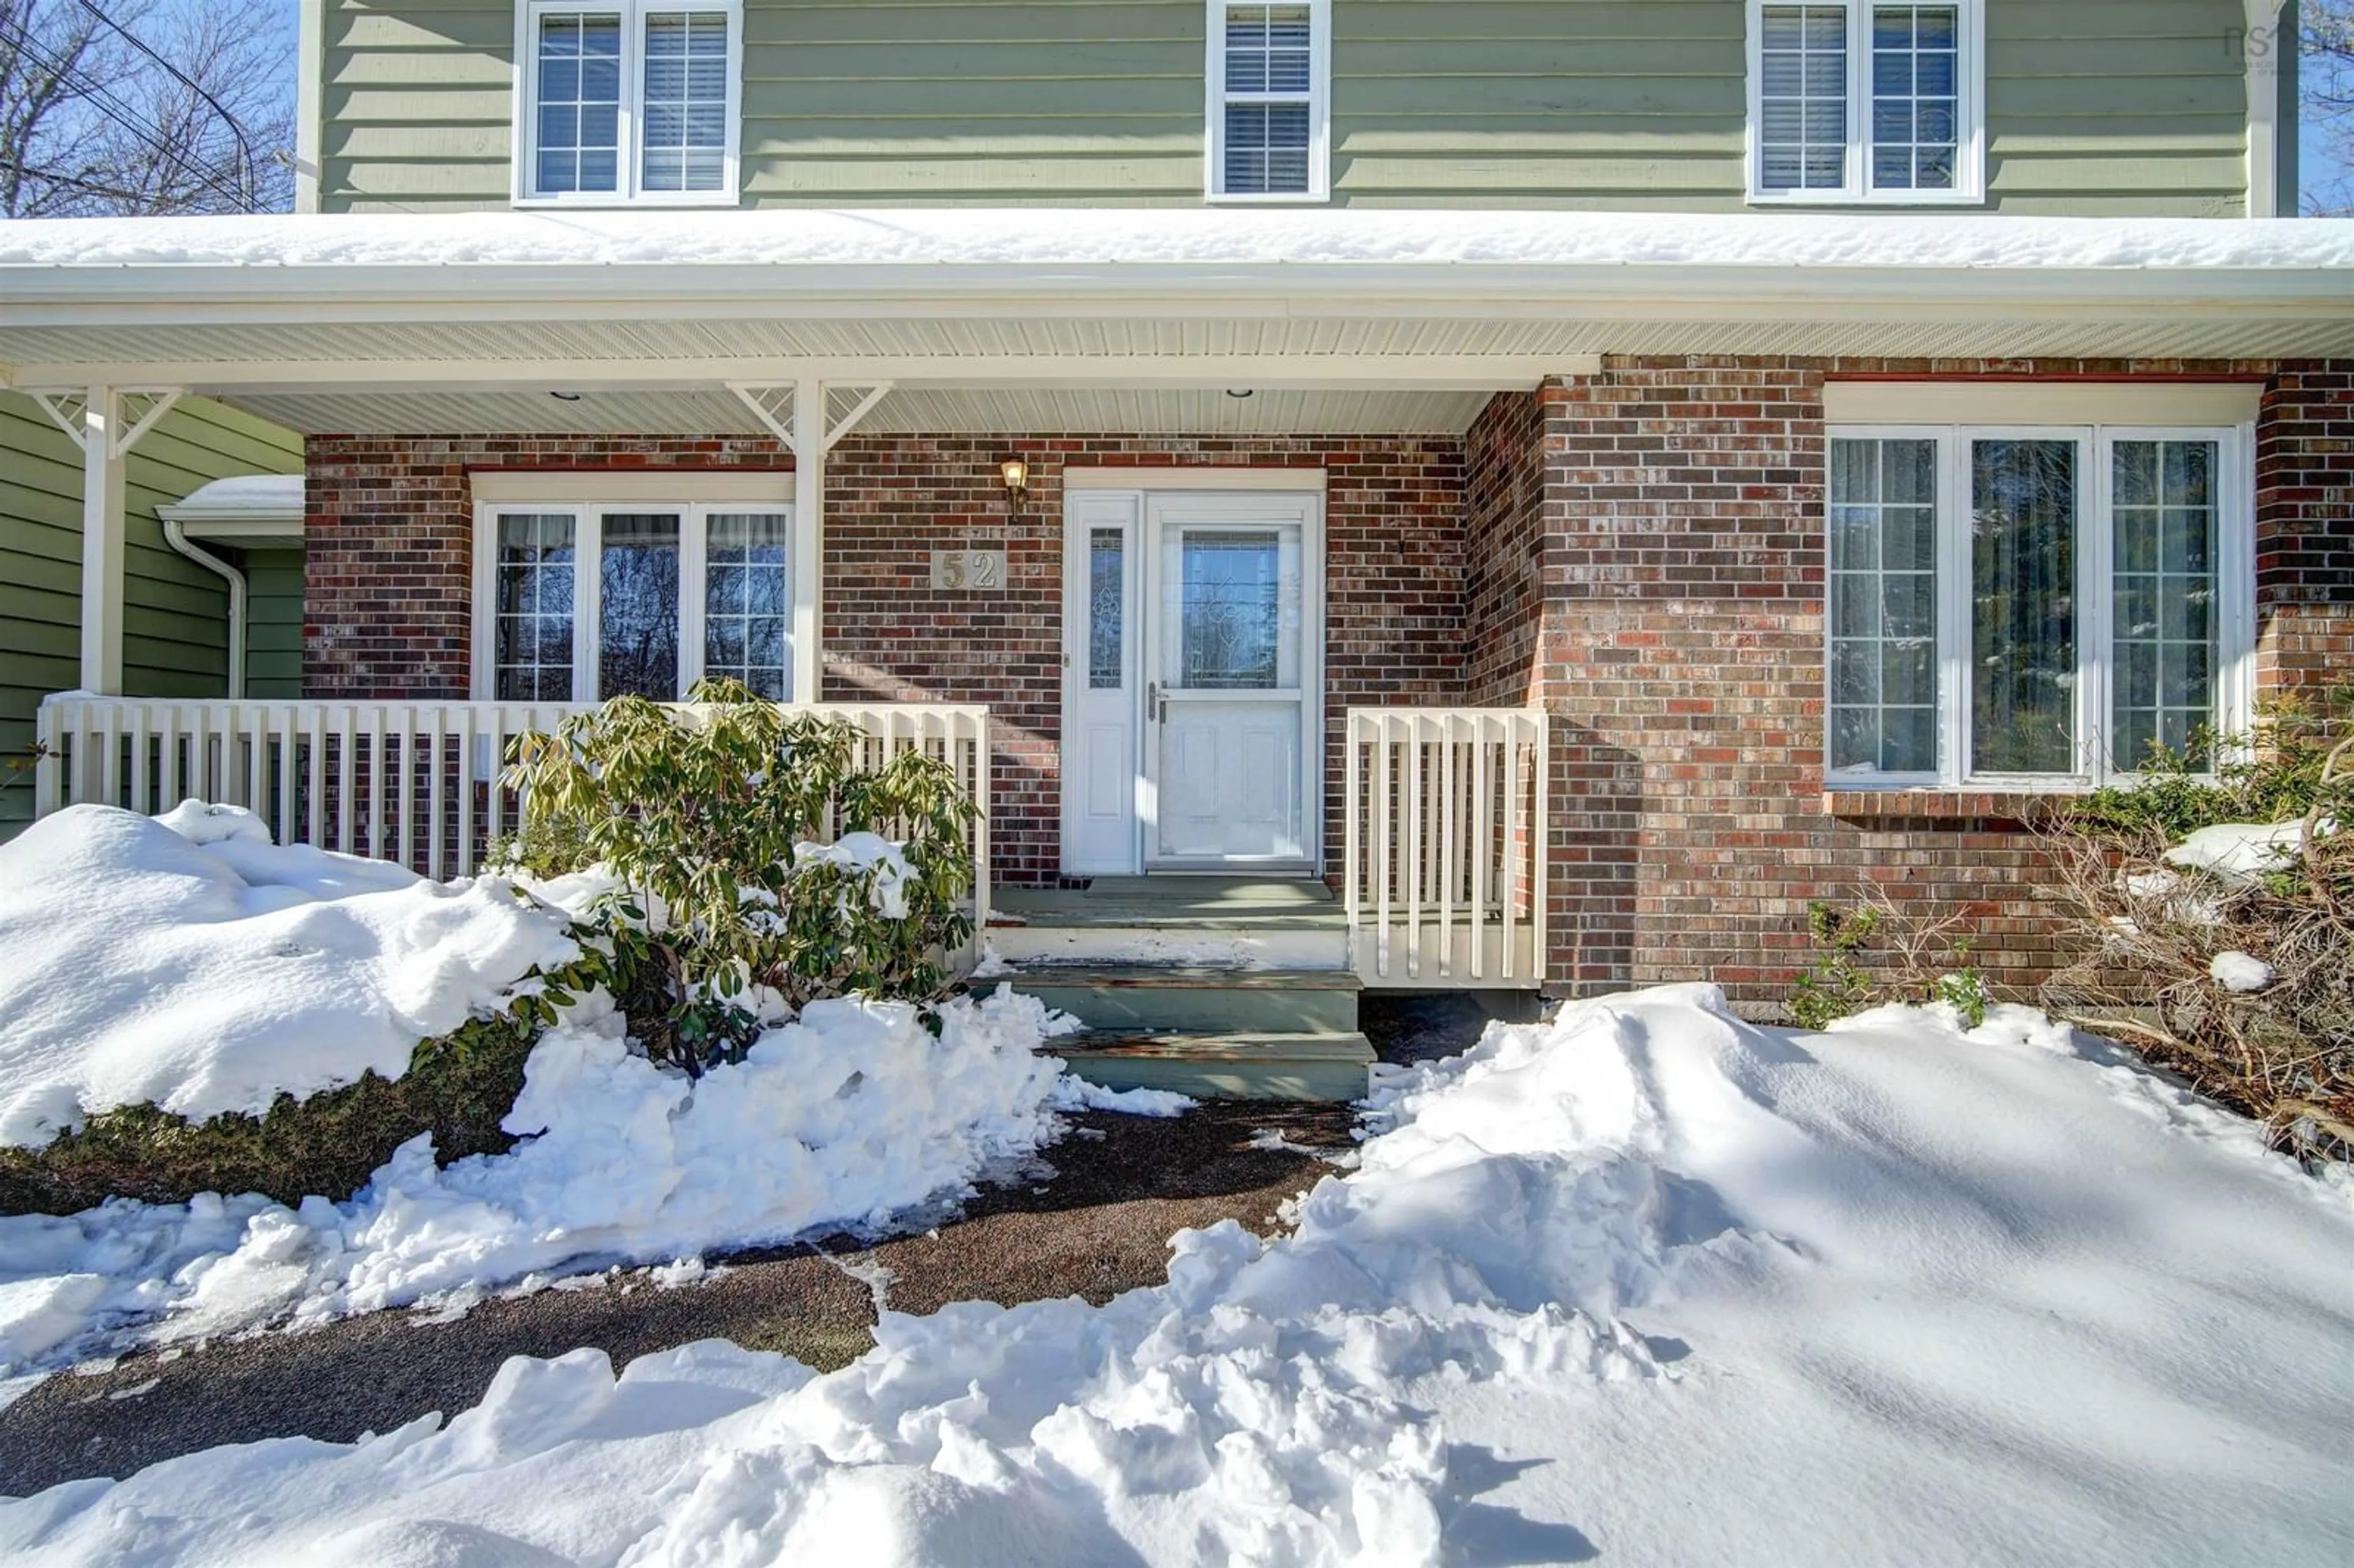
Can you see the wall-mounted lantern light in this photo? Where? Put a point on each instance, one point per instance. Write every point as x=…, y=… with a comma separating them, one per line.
x=1016, y=474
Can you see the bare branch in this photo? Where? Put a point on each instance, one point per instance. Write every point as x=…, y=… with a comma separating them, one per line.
x=132, y=106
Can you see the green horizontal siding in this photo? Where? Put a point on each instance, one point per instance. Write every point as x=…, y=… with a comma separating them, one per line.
x=175, y=639
x=273, y=625
x=2094, y=105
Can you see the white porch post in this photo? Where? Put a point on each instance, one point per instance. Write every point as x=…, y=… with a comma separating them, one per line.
x=2266, y=48
x=103, y=450
x=809, y=445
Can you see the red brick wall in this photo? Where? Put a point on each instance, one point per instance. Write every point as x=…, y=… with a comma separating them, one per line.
x=388, y=586
x=1393, y=585
x=1504, y=551
x=388, y=575
x=2305, y=528
x=1682, y=656
x=1641, y=549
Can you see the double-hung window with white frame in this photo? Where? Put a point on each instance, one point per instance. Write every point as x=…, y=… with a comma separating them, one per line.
x=1269, y=111
x=629, y=100
x=1856, y=101
x=2033, y=607
x=580, y=602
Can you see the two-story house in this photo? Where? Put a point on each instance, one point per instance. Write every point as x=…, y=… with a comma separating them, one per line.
x=1581, y=478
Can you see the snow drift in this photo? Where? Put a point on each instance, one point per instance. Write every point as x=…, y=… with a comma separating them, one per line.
x=189, y=960
x=1646, y=1284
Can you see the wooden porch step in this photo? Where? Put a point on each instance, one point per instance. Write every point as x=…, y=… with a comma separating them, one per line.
x=1192, y=903
x=1320, y=1066
x=1195, y=997
x=1211, y=922
x=1162, y=977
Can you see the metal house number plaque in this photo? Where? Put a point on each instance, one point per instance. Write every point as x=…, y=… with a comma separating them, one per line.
x=968, y=571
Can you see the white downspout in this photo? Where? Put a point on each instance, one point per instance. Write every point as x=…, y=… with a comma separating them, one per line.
x=177, y=537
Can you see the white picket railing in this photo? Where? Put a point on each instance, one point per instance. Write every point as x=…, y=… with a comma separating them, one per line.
x=1443, y=845
x=414, y=781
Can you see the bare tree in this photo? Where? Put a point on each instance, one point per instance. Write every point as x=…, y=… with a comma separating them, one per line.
x=142, y=106
x=2325, y=100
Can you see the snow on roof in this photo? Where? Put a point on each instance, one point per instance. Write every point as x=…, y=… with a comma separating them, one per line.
x=1031, y=239
x=242, y=496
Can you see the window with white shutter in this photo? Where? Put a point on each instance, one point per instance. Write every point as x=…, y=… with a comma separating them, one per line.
x=1269, y=82
x=627, y=101
x=1855, y=102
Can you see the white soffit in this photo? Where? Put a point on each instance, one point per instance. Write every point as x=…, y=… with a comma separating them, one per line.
x=222, y=357
x=947, y=411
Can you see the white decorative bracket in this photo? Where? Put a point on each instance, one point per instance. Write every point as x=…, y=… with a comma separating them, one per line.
x=772, y=405
x=868, y=398
x=56, y=404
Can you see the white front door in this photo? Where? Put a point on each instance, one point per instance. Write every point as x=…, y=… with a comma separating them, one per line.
x=1192, y=717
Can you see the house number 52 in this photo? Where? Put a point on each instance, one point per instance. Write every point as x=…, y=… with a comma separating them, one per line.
x=969, y=570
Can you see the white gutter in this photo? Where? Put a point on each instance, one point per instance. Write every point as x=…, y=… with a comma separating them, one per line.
x=175, y=535
x=43, y=294
x=242, y=507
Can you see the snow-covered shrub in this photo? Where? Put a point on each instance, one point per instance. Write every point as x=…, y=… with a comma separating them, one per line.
x=186, y=1006
x=458, y=1087
x=757, y=860
x=2217, y=914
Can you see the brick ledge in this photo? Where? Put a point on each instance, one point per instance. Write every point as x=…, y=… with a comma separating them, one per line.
x=1945, y=805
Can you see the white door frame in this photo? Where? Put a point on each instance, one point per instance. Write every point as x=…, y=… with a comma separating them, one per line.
x=1087, y=506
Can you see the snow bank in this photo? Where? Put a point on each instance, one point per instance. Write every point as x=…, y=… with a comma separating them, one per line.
x=1647, y=1285
x=188, y=960
x=851, y=1113
x=2242, y=852
x=997, y=238
x=2240, y=972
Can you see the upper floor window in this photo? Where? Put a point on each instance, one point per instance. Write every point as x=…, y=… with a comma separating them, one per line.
x=627, y=101
x=1270, y=75
x=1863, y=102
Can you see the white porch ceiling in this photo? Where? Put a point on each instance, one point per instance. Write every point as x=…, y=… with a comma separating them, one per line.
x=1078, y=410
x=244, y=351
x=1329, y=376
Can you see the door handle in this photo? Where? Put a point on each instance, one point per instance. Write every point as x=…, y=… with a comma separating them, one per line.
x=1153, y=701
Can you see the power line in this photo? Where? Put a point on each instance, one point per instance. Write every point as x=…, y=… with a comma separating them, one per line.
x=102, y=98
x=244, y=143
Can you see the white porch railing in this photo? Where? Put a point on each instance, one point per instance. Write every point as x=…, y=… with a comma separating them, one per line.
x=411, y=781
x=1443, y=845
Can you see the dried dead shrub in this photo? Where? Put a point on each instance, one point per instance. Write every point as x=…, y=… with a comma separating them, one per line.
x=2240, y=980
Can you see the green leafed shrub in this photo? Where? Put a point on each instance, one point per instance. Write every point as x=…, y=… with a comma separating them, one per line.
x=2278, y=771
x=759, y=854
x=1872, y=954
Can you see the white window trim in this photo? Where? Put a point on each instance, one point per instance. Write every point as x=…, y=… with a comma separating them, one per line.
x=1319, y=114
x=522, y=187
x=587, y=531
x=2235, y=579
x=1856, y=189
